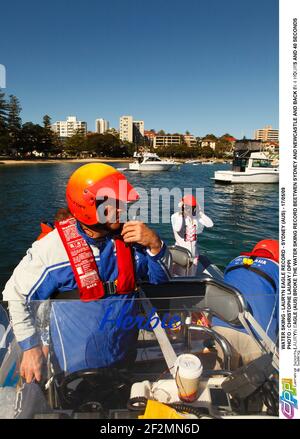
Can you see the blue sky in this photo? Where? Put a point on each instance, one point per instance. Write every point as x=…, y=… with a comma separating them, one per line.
x=207, y=66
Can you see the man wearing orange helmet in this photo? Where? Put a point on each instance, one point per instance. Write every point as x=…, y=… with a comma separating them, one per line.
x=256, y=275
x=93, y=257
x=187, y=223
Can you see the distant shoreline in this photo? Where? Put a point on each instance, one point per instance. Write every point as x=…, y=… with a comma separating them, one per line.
x=47, y=161
x=90, y=160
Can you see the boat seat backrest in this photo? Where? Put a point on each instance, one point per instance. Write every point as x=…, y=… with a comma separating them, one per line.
x=223, y=301
x=181, y=256
x=203, y=293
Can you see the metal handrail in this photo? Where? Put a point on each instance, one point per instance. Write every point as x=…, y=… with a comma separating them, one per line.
x=222, y=342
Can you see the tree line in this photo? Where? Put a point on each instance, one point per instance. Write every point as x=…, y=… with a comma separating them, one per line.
x=99, y=145
x=27, y=139
x=20, y=139
x=222, y=147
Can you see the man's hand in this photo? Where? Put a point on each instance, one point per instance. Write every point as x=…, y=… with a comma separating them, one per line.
x=138, y=232
x=32, y=363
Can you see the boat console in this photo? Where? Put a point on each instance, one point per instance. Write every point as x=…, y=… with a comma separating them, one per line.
x=114, y=393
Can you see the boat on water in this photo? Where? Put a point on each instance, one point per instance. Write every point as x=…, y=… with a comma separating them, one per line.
x=111, y=393
x=148, y=161
x=193, y=162
x=249, y=167
x=209, y=162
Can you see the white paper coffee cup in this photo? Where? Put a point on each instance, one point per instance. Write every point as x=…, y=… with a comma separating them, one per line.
x=188, y=372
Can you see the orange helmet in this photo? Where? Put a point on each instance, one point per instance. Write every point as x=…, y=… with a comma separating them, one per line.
x=93, y=182
x=267, y=248
x=189, y=200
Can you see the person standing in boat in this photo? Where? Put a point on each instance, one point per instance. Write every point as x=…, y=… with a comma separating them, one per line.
x=187, y=224
x=94, y=258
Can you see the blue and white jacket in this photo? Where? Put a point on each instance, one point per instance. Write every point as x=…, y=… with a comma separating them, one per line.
x=76, y=339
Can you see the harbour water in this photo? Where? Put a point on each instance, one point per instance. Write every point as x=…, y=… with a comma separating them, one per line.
x=242, y=214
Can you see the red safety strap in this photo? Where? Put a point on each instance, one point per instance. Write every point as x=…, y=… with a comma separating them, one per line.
x=82, y=261
x=126, y=276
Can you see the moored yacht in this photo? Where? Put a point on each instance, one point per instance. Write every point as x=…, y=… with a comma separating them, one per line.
x=249, y=167
x=193, y=162
x=148, y=161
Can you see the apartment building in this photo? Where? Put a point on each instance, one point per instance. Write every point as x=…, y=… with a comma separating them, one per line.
x=267, y=134
x=132, y=130
x=190, y=140
x=167, y=139
x=101, y=126
x=69, y=127
x=126, y=129
x=138, y=131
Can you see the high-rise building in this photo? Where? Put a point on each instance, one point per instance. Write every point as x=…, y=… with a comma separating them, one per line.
x=267, y=134
x=131, y=130
x=69, y=127
x=101, y=126
x=138, y=131
x=126, y=129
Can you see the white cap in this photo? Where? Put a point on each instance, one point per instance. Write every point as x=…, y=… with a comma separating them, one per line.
x=188, y=366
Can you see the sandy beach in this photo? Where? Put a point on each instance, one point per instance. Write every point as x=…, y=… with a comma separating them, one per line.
x=91, y=160
x=47, y=161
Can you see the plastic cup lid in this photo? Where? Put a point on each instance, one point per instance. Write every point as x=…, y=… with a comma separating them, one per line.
x=188, y=366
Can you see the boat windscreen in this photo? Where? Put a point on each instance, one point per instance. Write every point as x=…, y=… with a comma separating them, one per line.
x=262, y=163
x=95, y=351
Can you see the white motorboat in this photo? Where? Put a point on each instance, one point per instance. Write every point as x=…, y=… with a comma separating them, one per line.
x=193, y=162
x=148, y=161
x=209, y=162
x=254, y=167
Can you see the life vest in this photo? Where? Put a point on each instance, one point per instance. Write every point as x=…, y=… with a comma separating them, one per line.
x=45, y=229
x=247, y=263
x=85, y=269
x=257, y=279
x=190, y=233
